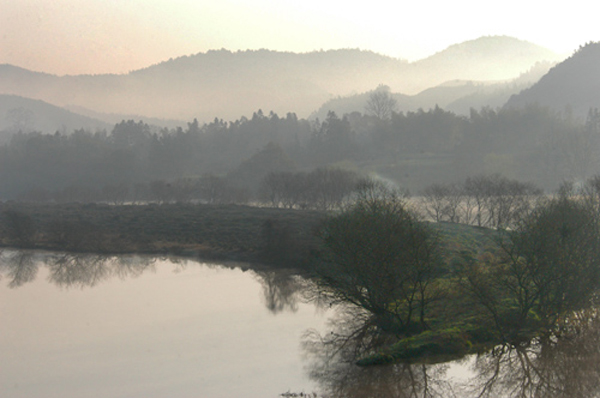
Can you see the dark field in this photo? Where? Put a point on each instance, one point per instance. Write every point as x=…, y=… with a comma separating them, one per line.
x=207, y=231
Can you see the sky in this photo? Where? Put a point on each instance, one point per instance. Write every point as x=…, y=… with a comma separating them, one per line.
x=117, y=36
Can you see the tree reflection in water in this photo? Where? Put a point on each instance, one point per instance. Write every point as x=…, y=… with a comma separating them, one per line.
x=333, y=356
x=71, y=269
x=281, y=290
x=21, y=267
x=79, y=270
x=565, y=367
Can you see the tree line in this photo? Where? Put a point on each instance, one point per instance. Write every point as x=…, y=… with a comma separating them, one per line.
x=416, y=149
x=491, y=201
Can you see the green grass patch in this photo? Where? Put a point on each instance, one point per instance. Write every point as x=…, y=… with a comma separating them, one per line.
x=435, y=346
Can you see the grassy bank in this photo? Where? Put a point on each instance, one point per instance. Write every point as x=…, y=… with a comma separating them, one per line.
x=206, y=231
x=456, y=327
x=278, y=237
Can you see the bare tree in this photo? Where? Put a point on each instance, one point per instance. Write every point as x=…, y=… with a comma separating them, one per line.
x=548, y=268
x=497, y=201
x=381, y=104
x=377, y=253
x=285, y=189
x=442, y=202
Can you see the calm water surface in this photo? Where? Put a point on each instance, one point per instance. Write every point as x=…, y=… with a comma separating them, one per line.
x=90, y=326
x=132, y=327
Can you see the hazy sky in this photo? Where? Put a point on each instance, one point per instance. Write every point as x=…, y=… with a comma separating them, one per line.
x=116, y=36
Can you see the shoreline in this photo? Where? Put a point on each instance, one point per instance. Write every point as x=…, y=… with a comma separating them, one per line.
x=208, y=232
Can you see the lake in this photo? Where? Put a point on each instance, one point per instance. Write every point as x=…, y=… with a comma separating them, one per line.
x=89, y=326
x=133, y=326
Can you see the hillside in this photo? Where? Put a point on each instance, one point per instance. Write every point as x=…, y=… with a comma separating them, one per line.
x=573, y=84
x=490, y=58
x=24, y=114
x=458, y=96
x=228, y=84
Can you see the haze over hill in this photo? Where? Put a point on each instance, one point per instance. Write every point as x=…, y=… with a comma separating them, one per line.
x=228, y=85
x=412, y=149
x=573, y=85
x=458, y=96
x=25, y=115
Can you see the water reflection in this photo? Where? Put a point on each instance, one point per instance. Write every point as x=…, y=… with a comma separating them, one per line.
x=565, y=367
x=281, y=288
x=70, y=269
x=21, y=268
x=181, y=327
x=353, y=334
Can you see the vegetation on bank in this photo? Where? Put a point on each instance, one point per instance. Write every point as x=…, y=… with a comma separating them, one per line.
x=433, y=299
x=433, y=289
x=276, y=236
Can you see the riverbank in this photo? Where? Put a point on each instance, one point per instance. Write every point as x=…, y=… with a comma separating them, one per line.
x=217, y=232
x=267, y=237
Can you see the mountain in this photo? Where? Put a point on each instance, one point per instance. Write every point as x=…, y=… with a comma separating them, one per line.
x=572, y=85
x=458, y=96
x=227, y=85
x=19, y=113
x=497, y=94
x=114, y=118
x=489, y=58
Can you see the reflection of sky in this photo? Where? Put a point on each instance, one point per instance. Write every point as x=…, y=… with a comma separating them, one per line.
x=199, y=332
x=205, y=331
x=461, y=371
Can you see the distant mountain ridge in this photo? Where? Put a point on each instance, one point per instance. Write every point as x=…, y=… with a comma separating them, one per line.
x=19, y=113
x=227, y=85
x=457, y=96
x=489, y=58
x=572, y=86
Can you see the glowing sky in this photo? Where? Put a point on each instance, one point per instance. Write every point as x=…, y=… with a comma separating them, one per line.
x=116, y=36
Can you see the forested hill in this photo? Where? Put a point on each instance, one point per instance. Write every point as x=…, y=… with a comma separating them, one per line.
x=572, y=85
x=228, y=84
x=24, y=114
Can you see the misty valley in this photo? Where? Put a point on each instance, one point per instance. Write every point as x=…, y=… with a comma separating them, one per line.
x=440, y=242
